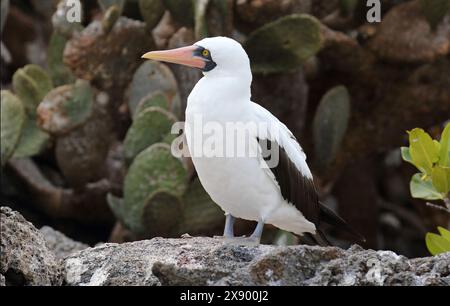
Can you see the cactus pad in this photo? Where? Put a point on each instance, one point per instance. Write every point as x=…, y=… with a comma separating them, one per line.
x=12, y=120
x=151, y=11
x=153, y=171
x=110, y=17
x=107, y=4
x=65, y=107
x=31, y=83
x=283, y=45
x=156, y=98
x=181, y=10
x=59, y=72
x=151, y=77
x=435, y=10
x=32, y=141
x=330, y=124
x=150, y=126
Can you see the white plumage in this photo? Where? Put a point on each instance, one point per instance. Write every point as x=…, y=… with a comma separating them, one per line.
x=239, y=185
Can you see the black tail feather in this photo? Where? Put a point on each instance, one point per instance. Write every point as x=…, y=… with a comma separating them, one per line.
x=330, y=217
x=318, y=238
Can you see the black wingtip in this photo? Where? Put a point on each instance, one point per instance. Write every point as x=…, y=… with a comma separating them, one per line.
x=330, y=217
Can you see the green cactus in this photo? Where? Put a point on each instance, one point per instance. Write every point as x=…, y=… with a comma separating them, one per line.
x=151, y=11
x=31, y=83
x=12, y=121
x=153, y=187
x=150, y=126
x=151, y=77
x=32, y=141
x=156, y=98
x=283, y=45
x=200, y=214
x=107, y=4
x=62, y=24
x=330, y=124
x=110, y=17
x=435, y=10
x=65, y=107
x=59, y=73
x=348, y=6
x=81, y=153
x=181, y=10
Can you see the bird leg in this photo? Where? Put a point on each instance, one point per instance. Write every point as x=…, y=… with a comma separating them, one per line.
x=258, y=230
x=228, y=232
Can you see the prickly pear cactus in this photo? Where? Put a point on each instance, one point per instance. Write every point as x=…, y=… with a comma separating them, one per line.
x=283, y=45
x=81, y=153
x=31, y=83
x=151, y=77
x=64, y=21
x=330, y=124
x=32, y=140
x=348, y=6
x=65, y=107
x=435, y=10
x=110, y=17
x=150, y=126
x=106, y=4
x=156, y=98
x=153, y=188
x=200, y=213
x=12, y=121
x=182, y=11
x=59, y=72
x=151, y=11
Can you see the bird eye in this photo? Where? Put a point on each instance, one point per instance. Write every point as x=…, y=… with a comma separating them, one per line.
x=205, y=53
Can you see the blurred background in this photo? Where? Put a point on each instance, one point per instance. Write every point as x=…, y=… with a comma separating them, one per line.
x=86, y=122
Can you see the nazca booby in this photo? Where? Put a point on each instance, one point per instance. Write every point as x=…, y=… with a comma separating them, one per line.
x=245, y=186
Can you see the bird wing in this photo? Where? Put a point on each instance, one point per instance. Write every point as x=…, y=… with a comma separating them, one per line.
x=291, y=173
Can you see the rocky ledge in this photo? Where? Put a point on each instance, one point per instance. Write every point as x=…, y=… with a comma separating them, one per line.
x=27, y=260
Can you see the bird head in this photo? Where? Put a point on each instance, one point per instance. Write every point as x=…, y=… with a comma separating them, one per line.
x=216, y=54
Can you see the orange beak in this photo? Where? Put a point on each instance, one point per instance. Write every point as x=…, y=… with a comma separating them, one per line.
x=183, y=56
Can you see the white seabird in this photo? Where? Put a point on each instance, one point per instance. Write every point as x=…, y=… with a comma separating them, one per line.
x=243, y=186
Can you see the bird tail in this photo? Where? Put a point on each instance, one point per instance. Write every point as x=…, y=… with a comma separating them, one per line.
x=330, y=217
x=318, y=238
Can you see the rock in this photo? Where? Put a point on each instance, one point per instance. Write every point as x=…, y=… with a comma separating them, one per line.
x=25, y=258
x=209, y=261
x=61, y=245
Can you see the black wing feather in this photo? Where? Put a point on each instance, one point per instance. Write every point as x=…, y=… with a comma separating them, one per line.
x=300, y=191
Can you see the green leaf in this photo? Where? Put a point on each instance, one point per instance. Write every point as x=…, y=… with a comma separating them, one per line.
x=437, y=244
x=444, y=153
x=440, y=177
x=423, y=189
x=406, y=155
x=444, y=233
x=423, y=150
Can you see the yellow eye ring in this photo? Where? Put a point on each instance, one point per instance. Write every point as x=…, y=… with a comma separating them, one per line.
x=205, y=53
